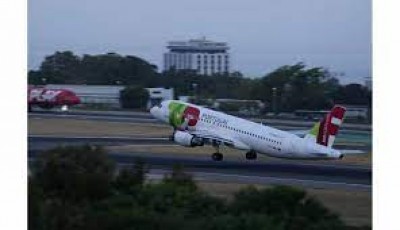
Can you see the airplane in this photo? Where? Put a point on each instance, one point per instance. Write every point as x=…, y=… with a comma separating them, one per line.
x=195, y=126
x=50, y=98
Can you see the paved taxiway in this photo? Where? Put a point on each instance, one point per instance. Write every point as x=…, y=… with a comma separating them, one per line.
x=247, y=172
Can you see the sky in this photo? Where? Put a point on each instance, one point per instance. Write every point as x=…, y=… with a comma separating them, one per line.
x=262, y=34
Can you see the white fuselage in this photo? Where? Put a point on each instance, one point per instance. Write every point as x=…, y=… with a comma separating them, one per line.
x=258, y=137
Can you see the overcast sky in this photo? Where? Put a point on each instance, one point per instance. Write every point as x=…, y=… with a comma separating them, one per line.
x=262, y=34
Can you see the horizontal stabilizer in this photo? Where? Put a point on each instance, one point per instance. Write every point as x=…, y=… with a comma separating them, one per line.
x=352, y=151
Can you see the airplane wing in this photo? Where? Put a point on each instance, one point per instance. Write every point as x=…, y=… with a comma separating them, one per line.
x=226, y=140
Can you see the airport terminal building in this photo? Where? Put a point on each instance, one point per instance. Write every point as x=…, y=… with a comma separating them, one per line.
x=200, y=55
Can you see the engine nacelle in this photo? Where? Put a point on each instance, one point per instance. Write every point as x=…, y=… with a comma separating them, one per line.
x=187, y=139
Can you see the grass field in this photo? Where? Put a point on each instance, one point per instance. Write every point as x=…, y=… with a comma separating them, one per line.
x=70, y=127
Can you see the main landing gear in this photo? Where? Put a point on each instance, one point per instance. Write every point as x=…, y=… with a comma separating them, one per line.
x=217, y=156
x=251, y=155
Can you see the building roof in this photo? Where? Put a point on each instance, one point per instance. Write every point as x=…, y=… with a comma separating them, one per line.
x=197, y=45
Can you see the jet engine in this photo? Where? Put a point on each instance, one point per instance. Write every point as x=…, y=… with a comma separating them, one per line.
x=187, y=139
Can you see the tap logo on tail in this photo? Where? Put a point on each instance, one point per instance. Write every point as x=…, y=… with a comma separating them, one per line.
x=325, y=131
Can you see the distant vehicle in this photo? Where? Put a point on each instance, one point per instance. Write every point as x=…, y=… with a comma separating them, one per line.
x=195, y=125
x=50, y=98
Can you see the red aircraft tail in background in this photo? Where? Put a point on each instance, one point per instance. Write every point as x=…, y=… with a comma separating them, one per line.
x=50, y=98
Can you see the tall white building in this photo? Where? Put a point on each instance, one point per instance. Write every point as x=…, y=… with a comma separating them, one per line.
x=203, y=56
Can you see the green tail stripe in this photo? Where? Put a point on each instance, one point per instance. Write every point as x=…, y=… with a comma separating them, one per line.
x=315, y=129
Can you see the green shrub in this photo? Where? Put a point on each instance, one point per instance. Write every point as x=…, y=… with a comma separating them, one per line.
x=131, y=179
x=74, y=174
x=77, y=188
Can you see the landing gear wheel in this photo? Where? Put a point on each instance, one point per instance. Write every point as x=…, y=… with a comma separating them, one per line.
x=251, y=155
x=217, y=156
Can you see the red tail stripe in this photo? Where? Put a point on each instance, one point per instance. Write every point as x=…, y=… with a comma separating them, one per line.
x=338, y=112
x=326, y=127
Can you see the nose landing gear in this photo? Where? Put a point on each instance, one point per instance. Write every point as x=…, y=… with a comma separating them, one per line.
x=217, y=156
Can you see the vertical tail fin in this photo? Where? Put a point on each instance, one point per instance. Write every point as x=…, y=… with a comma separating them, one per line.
x=325, y=131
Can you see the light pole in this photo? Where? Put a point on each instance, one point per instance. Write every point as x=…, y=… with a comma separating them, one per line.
x=274, y=105
x=44, y=80
x=194, y=86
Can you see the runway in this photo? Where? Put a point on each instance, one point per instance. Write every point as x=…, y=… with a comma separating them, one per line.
x=248, y=172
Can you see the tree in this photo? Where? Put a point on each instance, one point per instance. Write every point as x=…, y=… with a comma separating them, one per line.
x=109, y=69
x=134, y=97
x=36, y=78
x=35, y=204
x=76, y=188
x=74, y=174
x=296, y=87
x=179, y=177
x=61, y=68
x=353, y=94
x=130, y=179
x=287, y=205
